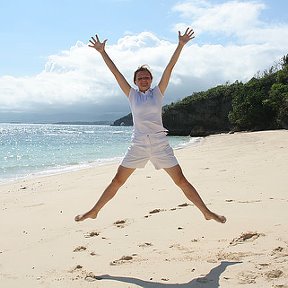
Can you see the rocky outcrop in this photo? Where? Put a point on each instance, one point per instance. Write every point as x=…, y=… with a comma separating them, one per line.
x=124, y=121
x=198, y=115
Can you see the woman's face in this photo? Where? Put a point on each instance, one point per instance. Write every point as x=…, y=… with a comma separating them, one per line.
x=143, y=80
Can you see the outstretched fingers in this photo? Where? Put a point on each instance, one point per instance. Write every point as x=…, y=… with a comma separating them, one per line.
x=189, y=33
x=187, y=36
x=97, y=44
x=93, y=42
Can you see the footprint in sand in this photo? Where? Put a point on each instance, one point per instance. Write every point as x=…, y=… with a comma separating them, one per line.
x=262, y=266
x=120, y=223
x=180, y=247
x=279, y=252
x=274, y=274
x=76, y=268
x=247, y=277
x=91, y=234
x=232, y=256
x=79, y=249
x=180, y=206
x=155, y=211
x=252, y=201
x=81, y=273
x=90, y=277
x=184, y=205
x=146, y=244
x=251, y=236
x=122, y=260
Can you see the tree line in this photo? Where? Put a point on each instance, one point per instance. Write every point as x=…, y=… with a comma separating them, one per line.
x=259, y=104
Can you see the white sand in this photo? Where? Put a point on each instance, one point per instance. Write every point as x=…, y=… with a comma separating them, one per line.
x=243, y=176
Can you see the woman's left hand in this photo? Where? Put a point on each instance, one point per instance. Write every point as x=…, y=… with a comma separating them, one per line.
x=186, y=37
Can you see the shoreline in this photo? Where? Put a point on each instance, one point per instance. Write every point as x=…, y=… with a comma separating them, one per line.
x=62, y=170
x=87, y=165
x=149, y=235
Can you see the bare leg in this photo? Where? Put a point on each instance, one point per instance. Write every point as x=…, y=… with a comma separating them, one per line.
x=120, y=178
x=190, y=192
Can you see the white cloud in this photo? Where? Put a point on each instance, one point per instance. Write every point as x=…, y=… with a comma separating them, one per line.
x=238, y=19
x=229, y=17
x=248, y=44
x=78, y=76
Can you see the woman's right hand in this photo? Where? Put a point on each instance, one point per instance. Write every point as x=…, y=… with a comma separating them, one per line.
x=96, y=44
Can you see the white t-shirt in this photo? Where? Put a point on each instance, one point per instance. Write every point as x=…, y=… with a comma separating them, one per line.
x=147, y=111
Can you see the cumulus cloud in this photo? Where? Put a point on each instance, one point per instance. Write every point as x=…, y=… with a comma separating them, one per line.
x=238, y=19
x=228, y=17
x=78, y=76
x=76, y=80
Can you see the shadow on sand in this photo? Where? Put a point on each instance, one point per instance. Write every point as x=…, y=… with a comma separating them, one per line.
x=211, y=280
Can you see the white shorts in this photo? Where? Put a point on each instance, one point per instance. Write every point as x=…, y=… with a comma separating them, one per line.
x=153, y=147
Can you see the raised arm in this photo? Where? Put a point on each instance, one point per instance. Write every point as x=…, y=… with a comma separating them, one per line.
x=183, y=39
x=100, y=47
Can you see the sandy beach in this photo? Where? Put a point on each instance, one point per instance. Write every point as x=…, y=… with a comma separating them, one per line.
x=149, y=235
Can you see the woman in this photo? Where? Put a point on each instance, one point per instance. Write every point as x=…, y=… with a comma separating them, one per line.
x=149, y=141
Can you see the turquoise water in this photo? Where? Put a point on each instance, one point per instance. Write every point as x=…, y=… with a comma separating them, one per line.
x=29, y=149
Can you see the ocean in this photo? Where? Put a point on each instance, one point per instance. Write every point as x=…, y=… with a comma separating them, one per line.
x=44, y=149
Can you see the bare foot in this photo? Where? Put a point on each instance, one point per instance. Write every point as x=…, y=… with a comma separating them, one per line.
x=82, y=217
x=214, y=216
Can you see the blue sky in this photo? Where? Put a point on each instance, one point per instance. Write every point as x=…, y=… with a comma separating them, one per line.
x=47, y=72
